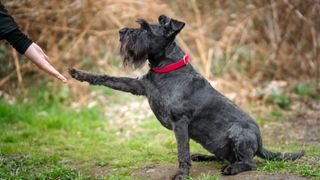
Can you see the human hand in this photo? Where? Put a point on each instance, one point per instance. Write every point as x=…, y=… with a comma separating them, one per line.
x=39, y=58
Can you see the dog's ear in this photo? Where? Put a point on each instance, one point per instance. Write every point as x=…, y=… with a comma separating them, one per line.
x=163, y=20
x=172, y=26
x=144, y=24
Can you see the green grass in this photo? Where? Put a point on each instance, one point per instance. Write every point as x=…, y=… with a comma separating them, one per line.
x=291, y=167
x=36, y=167
x=45, y=138
x=307, y=166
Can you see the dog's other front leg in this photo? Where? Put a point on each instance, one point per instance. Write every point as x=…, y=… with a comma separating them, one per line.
x=125, y=84
x=180, y=129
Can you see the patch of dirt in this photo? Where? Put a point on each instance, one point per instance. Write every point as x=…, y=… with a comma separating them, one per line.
x=303, y=128
x=93, y=171
x=99, y=171
x=157, y=171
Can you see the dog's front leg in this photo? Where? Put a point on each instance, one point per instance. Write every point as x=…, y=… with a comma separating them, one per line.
x=125, y=84
x=180, y=129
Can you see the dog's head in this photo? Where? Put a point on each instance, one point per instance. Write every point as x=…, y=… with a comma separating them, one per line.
x=150, y=40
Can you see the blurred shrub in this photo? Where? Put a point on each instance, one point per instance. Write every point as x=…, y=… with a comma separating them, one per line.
x=6, y=64
x=280, y=98
x=303, y=89
x=247, y=40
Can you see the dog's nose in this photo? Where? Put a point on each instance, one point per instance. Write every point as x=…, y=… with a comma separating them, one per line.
x=123, y=30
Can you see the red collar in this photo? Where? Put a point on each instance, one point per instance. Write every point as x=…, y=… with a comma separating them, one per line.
x=182, y=62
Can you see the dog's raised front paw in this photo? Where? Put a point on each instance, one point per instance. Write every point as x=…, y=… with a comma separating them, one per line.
x=76, y=74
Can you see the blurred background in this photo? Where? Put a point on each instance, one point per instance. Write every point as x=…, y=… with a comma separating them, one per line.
x=262, y=54
x=250, y=49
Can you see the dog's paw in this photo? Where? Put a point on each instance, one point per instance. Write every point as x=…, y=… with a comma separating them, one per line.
x=195, y=157
x=228, y=170
x=76, y=74
x=179, y=175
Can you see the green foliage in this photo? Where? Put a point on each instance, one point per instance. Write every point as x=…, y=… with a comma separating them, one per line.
x=239, y=59
x=219, y=64
x=115, y=61
x=35, y=167
x=290, y=166
x=208, y=177
x=87, y=62
x=104, y=90
x=302, y=89
x=306, y=90
x=280, y=98
x=277, y=113
x=243, y=59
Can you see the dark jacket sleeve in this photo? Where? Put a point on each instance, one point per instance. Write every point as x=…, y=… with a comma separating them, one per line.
x=9, y=30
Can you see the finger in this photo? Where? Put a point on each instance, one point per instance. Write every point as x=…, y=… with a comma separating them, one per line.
x=53, y=71
x=56, y=74
x=38, y=48
x=62, y=78
x=46, y=57
x=46, y=66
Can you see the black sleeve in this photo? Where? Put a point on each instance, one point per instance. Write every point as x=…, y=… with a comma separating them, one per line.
x=9, y=30
x=18, y=40
x=7, y=23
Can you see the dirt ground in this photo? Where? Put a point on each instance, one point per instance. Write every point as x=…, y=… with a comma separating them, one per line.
x=156, y=171
x=304, y=128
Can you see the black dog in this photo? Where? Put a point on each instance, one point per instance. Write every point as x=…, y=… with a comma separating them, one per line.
x=185, y=102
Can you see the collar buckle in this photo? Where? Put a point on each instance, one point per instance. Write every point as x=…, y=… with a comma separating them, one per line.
x=185, y=61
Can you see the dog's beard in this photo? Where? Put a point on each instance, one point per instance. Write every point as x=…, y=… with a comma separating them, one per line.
x=134, y=50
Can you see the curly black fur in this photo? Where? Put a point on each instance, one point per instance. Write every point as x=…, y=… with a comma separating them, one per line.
x=134, y=48
x=185, y=102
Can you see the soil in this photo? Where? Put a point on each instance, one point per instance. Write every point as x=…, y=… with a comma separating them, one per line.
x=157, y=171
x=303, y=128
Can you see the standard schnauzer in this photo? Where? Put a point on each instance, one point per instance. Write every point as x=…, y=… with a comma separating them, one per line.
x=184, y=101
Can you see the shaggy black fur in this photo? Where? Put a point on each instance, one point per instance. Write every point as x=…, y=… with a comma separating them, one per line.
x=185, y=102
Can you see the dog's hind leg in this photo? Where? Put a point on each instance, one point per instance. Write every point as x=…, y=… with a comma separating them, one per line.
x=203, y=157
x=243, y=145
x=242, y=161
x=125, y=84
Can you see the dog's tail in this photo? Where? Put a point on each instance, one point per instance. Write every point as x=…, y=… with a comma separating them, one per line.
x=267, y=154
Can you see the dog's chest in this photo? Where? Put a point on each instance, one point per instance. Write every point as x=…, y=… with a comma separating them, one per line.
x=161, y=104
x=161, y=112
x=163, y=96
